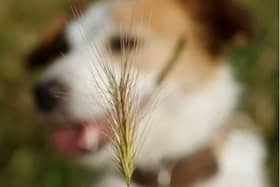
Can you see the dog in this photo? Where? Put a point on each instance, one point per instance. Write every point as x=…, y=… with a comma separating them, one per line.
x=189, y=141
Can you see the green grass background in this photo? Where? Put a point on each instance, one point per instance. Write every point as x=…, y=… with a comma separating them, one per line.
x=26, y=159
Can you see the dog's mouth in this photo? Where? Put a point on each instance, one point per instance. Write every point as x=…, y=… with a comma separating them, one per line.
x=76, y=138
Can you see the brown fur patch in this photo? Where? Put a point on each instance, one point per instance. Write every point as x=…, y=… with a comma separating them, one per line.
x=197, y=167
x=158, y=18
x=222, y=22
x=217, y=22
x=208, y=27
x=169, y=21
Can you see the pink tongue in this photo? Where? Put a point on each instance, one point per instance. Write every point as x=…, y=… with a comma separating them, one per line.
x=67, y=140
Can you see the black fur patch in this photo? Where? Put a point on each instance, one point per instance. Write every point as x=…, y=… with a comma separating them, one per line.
x=46, y=52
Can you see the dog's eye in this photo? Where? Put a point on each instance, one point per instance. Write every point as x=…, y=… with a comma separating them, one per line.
x=126, y=43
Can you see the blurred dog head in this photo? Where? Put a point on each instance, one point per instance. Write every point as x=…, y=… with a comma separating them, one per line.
x=149, y=30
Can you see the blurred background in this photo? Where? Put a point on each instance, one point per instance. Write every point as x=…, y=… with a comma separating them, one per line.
x=26, y=159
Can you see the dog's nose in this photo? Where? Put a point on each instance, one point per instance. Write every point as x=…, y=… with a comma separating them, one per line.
x=47, y=95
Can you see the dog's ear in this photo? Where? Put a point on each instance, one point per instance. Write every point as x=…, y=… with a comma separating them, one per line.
x=222, y=21
x=52, y=42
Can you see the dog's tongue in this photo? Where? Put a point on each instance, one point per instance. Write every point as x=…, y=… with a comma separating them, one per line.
x=76, y=139
x=67, y=140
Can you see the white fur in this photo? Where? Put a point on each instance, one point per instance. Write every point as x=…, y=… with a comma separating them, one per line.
x=91, y=24
x=185, y=121
x=181, y=122
x=241, y=162
x=113, y=181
